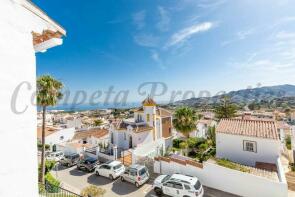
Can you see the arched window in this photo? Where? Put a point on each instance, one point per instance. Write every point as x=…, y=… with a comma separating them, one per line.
x=147, y=117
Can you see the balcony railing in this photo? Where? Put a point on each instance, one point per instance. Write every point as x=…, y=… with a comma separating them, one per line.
x=48, y=190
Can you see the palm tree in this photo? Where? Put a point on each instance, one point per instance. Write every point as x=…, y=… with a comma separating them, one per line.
x=48, y=94
x=225, y=109
x=185, y=120
x=98, y=122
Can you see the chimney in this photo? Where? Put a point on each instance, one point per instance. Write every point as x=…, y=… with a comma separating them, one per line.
x=246, y=116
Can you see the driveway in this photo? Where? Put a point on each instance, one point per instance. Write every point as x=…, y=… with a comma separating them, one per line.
x=75, y=180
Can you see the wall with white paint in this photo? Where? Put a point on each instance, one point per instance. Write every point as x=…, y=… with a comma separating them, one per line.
x=228, y=180
x=18, y=64
x=60, y=136
x=231, y=147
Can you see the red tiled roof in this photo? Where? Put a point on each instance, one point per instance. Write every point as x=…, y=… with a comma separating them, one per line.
x=48, y=131
x=253, y=128
x=98, y=133
x=163, y=112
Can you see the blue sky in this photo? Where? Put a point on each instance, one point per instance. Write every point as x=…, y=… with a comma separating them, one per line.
x=192, y=45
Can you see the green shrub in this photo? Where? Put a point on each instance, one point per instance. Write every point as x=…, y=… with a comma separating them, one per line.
x=228, y=164
x=93, y=191
x=203, y=146
x=47, y=146
x=288, y=142
x=39, y=145
x=51, y=184
x=176, y=143
x=292, y=167
x=48, y=166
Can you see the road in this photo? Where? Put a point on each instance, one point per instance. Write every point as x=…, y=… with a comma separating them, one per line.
x=75, y=180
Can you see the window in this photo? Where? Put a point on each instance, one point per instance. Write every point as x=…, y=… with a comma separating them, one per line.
x=133, y=172
x=250, y=146
x=169, y=184
x=147, y=117
x=61, y=137
x=178, y=186
x=142, y=172
x=197, y=185
x=187, y=187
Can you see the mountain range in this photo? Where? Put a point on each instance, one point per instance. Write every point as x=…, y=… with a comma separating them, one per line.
x=246, y=96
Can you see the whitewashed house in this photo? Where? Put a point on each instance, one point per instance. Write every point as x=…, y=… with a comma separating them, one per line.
x=202, y=127
x=93, y=137
x=73, y=122
x=25, y=30
x=248, y=142
x=55, y=136
x=150, y=126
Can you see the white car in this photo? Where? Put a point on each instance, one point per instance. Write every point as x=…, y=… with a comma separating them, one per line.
x=55, y=156
x=136, y=174
x=178, y=185
x=112, y=169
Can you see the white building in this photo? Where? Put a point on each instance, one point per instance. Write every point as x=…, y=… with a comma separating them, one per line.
x=25, y=30
x=202, y=127
x=93, y=137
x=55, y=136
x=150, y=124
x=248, y=142
x=73, y=122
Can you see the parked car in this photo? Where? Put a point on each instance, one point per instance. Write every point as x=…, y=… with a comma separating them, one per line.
x=178, y=185
x=55, y=156
x=87, y=164
x=112, y=169
x=70, y=159
x=136, y=174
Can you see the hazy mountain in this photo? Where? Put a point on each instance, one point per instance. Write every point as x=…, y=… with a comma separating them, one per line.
x=245, y=96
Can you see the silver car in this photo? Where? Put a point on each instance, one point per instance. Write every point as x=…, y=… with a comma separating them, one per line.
x=136, y=174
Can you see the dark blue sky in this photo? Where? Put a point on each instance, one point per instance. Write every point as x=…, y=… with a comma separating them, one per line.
x=189, y=45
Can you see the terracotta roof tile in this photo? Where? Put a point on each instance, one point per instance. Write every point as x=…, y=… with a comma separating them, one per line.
x=98, y=133
x=163, y=112
x=253, y=128
x=48, y=131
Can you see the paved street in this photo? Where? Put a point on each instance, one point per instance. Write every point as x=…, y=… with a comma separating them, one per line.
x=76, y=180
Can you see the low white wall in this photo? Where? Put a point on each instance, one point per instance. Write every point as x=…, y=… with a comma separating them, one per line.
x=231, y=147
x=225, y=179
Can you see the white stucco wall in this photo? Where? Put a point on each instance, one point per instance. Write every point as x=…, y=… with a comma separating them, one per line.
x=55, y=138
x=231, y=147
x=151, y=110
x=228, y=180
x=17, y=60
x=75, y=123
x=18, y=64
x=142, y=138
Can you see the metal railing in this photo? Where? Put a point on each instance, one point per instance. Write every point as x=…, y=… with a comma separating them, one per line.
x=48, y=190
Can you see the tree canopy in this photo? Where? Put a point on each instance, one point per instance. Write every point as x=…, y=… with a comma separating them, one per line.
x=185, y=120
x=225, y=109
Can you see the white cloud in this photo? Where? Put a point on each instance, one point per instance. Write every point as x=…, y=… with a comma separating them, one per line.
x=188, y=32
x=139, y=19
x=285, y=35
x=244, y=34
x=163, y=24
x=146, y=40
x=210, y=3
x=241, y=35
x=156, y=57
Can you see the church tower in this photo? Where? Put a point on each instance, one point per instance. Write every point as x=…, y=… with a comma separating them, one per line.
x=149, y=108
